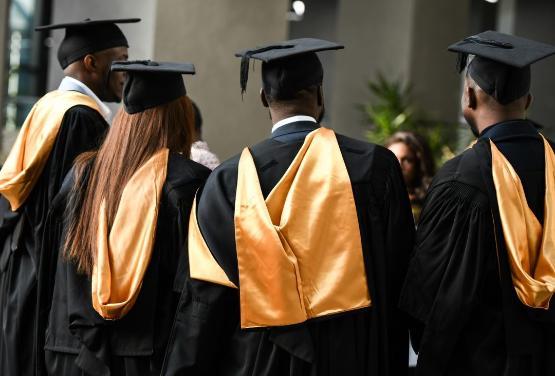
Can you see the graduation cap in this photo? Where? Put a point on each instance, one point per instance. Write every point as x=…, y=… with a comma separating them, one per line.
x=88, y=36
x=149, y=83
x=287, y=66
x=501, y=63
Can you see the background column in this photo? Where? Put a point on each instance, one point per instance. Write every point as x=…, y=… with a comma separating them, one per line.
x=208, y=33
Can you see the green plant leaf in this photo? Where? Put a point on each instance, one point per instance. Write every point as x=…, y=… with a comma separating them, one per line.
x=390, y=109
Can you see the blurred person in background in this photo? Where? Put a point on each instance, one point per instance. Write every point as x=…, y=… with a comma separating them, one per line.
x=123, y=236
x=417, y=165
x=200, y=152
x=61, y=125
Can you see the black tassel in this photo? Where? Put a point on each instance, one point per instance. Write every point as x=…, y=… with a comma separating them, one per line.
x=244, y=72
x=461, y=61
x=245, y=59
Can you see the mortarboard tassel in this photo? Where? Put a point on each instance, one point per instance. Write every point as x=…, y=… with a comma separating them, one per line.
x=244, y=72
x=245, y=58
x=462, y=59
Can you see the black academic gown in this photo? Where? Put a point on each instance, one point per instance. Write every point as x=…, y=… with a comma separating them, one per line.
x=78, y=340
x=21, y=339
x=469, y=318
x=207, y=339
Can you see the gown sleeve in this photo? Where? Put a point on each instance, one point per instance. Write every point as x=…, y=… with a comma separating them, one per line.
x=447, y=269
x=206, y=312
x=82, y=130
x=399, y=242
x=387, y=230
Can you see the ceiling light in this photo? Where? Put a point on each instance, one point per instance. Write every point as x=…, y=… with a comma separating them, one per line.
x=299, y=7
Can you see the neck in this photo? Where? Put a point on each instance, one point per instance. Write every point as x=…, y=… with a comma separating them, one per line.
x=278, y=115
x=77, y=75
x=486, y=120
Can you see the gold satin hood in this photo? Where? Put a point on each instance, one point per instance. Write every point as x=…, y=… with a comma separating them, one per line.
x=34, y=143
x=299, y=251
x=125, y=250
x=531, y=248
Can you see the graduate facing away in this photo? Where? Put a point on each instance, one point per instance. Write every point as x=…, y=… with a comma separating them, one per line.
x=482, y=275
x=298, y=247
x=122, y=249
x=61, y=125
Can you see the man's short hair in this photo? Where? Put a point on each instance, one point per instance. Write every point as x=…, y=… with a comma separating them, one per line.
x=284, y=79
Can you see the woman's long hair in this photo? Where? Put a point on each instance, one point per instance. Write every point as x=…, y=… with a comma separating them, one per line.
x=131, y=141
x=425, y=164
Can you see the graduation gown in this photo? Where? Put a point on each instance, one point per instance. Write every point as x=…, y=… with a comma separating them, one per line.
x=21, y=340
x=78, y=340
x=458, y=287
x=207, y=338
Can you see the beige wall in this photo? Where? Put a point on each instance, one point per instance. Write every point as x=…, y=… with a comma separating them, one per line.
x=534, y=19
x=404, y=39
x=506, y=14
x=207, y=33
x=377, y=38
x=436, y=25
x=320, y=21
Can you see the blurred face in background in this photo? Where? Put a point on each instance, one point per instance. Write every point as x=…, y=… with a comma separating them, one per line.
x=407, y=160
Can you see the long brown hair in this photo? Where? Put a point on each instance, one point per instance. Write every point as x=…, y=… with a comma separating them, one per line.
x=425, y=164
x=131, y=141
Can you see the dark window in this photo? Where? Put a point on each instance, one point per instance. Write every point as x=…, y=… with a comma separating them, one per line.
x=27, y=58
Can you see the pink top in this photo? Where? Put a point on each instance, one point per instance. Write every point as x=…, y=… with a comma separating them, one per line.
x=200, y=153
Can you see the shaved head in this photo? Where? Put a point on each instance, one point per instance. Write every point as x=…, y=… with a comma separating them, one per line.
x=481, y=110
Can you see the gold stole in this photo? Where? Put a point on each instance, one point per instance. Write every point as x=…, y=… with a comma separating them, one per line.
x=34, y=143
x=299, y=252
x=531, y=249
x=202, y=265
x=124, y=251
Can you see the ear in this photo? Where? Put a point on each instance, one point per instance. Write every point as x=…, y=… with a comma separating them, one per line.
x=529, y=100
x=472, y=98
x=320, y=95
x=90, y=63
x=263, y=98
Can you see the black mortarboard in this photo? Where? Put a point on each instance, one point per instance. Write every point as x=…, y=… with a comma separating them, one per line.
x=149, y=83
x=88, y=36
x=295, y=57
x=501, y=66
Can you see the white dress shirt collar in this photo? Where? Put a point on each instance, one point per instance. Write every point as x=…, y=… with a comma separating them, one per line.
x=292, y=119
x=72, y=84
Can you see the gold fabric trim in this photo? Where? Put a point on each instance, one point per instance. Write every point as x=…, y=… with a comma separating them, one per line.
x=34, y=143
x=124, y=251
x=531, y=249
x=202, y=264
x=299, y=252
